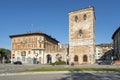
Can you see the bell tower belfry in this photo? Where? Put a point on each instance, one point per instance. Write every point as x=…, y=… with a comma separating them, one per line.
x=82, y=36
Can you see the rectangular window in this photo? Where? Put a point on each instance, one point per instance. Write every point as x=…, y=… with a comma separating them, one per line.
x=29, y=52
x=40, y=52
x=18, y=52
x=18, y=40
x=18, y=46
x=23, y=58
x=29, y=40
x=40, y=46
x=34, y=52
x=14, y=46
x=13, y=40
x=35, y=39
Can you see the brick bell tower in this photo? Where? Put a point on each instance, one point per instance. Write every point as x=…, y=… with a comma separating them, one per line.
x=82, y=36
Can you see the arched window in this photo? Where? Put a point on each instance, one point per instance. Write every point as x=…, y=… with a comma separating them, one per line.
x=85, y=16
x=85, y=58
x=76, y=58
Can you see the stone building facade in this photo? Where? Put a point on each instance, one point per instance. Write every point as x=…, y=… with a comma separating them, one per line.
x=98, y=52
x=36, y=47
x=116, y=44
x=81, y=36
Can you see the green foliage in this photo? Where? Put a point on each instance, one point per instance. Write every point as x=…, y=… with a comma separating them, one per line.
x=5, y=53
x=58, y=63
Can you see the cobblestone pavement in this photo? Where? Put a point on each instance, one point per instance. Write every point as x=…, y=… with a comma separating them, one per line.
x=9, y=68
x=90, y=75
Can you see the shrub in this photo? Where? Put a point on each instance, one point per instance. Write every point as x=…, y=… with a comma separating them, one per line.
x=52, y=64
x=58, y=63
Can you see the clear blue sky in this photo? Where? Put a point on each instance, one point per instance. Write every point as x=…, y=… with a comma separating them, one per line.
x=51, y=17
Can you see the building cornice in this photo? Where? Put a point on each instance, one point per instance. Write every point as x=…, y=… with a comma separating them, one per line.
x=33, y=33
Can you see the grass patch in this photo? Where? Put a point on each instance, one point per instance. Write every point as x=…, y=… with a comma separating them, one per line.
x=73, y=69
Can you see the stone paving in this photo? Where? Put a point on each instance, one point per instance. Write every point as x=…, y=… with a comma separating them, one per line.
x=7, y=72
x=85, y=75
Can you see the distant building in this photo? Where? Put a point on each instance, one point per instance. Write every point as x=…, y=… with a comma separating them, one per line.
x=116, y=42
x=103, y=49
x=82, y=36
x=98, y=52
x=36, y=47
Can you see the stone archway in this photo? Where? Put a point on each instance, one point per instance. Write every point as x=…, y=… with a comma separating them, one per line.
x=49, y=58
x=76, y=58
x=85, y=58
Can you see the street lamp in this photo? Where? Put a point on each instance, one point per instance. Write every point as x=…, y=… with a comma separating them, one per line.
x=90, y=58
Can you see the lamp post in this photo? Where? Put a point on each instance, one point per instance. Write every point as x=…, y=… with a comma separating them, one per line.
x=3, y=60
x=90, y=58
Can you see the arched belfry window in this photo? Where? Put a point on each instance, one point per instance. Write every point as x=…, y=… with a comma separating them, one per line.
x=85, y=16
x=76, y=58
x=85, y=58
x=76, y=18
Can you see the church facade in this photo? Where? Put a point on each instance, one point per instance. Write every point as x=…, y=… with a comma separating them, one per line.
x=82, y=36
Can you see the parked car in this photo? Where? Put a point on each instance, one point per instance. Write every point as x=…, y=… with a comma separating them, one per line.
x=103, y=62
x=100, y=61
x=17, y=62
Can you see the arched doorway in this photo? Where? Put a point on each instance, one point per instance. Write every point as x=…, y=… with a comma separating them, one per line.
x=85, y=58
x=49, y=58
x=76, y=58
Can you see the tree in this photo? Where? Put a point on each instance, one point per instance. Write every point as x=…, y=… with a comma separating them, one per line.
x=6, y=53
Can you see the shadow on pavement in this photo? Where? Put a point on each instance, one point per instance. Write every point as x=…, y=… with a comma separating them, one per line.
x=91, y=76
